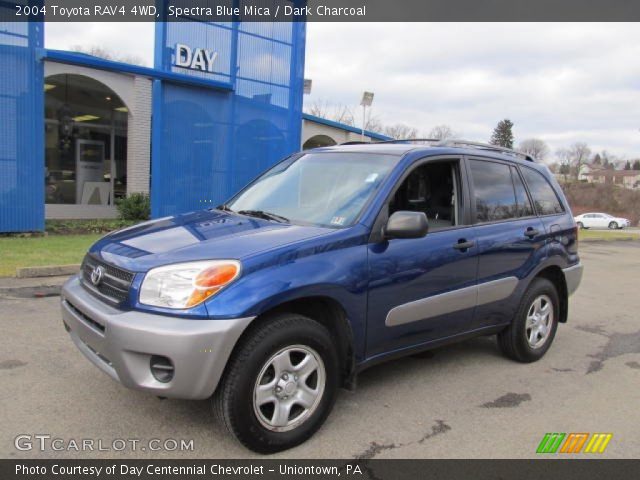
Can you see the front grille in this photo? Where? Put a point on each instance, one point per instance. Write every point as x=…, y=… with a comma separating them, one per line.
x=115, y=283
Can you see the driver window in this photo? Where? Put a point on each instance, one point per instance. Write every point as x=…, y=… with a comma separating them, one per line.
x=431, y=188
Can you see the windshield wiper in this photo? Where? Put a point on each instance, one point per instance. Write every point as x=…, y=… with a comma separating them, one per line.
x=265, y=215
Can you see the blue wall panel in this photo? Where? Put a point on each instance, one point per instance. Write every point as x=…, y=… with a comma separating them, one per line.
x=206, y=143
x=21, y=127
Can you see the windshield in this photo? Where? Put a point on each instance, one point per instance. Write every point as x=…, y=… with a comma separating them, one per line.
x=328, y=189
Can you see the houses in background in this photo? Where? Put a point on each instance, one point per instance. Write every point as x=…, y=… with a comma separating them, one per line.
x=597, y=174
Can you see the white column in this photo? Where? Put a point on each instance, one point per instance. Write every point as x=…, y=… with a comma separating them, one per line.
x=139, y=137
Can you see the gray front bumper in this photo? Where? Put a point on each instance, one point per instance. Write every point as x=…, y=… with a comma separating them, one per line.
x=573, y=277
x=121, y=344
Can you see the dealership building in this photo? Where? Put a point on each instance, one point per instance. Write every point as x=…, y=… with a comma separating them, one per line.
x=222, y=103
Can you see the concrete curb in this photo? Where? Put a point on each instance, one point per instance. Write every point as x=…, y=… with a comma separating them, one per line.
x=605, y=239
x=49, y=271
x=12, y=283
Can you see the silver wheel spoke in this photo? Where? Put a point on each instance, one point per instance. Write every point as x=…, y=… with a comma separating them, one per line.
x=537, y=305
x=264, y=394
x=306, y=397
x=546, y=309
x=282, y=363
x=533, y=336
x=306, y=367
x=281, y=414
x=529, y=323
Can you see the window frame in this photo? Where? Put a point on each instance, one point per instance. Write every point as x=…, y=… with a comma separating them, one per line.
x=471, y=187
x=514, y=168
x=462, y=191
x=553, y=189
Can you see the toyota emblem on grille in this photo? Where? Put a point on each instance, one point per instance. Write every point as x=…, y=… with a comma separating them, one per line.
x=96, y=275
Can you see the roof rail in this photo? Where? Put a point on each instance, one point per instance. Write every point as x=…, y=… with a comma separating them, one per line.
x=487, y=146
x=401, y=140
x=459, y=143
x=407, y=140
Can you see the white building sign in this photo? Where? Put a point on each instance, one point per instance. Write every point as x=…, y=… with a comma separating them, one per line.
x=194, y=58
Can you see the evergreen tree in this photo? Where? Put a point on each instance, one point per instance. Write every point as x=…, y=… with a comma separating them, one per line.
x=627, y=166
x=597, y=160
x=636, y=165
x=503, y=134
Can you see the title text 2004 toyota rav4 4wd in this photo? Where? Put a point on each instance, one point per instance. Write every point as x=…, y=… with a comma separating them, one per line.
x=333, y=260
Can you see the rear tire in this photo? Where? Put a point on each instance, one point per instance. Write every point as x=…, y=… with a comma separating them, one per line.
x=613, y=226
x=533, y=329
x=280, y=384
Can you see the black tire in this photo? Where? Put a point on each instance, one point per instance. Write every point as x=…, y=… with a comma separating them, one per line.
x=513, y=340
x=581, y=225
x=233, y=401
x=613, y=226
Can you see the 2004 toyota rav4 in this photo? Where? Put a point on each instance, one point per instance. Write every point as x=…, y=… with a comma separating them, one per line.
x=333, y=260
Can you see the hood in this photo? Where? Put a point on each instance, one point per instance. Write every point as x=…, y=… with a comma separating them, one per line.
x=202, y=235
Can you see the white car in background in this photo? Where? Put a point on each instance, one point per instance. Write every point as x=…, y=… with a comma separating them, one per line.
x=601, y=220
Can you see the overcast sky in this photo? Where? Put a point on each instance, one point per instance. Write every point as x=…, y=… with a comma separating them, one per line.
x=560, y=82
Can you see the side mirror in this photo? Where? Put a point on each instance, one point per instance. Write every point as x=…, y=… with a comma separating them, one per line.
x=406, y=225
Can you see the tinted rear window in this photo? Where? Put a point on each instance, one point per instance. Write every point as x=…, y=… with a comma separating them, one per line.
x=544, y=197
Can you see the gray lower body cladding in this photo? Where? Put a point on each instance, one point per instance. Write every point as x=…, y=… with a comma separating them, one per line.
x=122, y=344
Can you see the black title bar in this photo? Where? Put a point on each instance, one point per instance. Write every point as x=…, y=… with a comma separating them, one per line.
x=321, y=10
x=196, y=469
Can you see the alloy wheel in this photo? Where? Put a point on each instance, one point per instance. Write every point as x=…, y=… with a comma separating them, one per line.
x=539, y=321
x=289, y=388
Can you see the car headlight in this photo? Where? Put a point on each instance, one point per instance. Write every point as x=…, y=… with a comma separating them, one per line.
x=185, y=285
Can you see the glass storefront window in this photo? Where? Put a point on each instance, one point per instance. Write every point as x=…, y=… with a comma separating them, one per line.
x=85, y=141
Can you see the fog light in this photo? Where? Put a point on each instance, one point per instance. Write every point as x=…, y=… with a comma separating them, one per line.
x=161, y=368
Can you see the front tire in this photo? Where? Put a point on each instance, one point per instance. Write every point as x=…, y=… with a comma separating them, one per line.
x=581, y=225
x=533, y=329
x=613, y=226
x=280, y=384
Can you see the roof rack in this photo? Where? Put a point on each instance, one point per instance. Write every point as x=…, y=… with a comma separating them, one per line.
x=488, y=146
x=455, y=143
x=407, y=140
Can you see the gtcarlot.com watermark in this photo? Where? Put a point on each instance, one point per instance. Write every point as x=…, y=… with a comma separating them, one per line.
x=43, y=442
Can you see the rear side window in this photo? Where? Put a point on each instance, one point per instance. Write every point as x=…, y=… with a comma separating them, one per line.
x=522, y=199
x=544, y=197
x=493, y=191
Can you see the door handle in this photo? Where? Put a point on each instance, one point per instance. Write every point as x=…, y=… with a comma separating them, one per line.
x=463, y=244
x=531, y=232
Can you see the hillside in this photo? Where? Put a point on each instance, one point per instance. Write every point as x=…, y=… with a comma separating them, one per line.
x=595, y=197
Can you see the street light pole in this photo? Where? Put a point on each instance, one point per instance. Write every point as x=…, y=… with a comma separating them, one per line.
x=367, y=100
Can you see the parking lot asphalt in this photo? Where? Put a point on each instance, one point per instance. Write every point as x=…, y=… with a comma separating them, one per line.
x=463, y=401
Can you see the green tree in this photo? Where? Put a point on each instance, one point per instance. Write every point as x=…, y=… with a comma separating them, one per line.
x=636, y=165
x=597, y=160
x=627, y=165
x=503, y=134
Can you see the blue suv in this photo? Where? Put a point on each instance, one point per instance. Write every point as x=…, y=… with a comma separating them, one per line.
x=332, y=261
